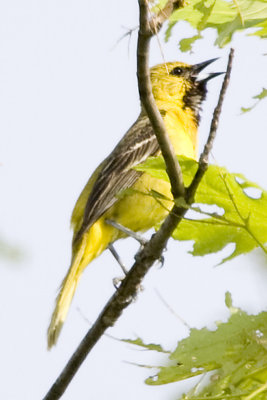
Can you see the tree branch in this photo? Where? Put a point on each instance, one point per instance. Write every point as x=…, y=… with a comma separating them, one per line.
x=146, y=32
x=154, y=248
x=204, y=158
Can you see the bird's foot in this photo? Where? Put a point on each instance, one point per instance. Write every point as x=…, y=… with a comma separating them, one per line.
x=160, y=261
x=117, y=281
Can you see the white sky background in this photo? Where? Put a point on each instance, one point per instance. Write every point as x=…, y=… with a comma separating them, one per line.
x=67, y=95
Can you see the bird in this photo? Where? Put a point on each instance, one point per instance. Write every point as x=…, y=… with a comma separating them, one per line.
x=179, y=91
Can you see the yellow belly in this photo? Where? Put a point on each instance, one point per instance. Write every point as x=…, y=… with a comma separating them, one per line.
x=140, y=212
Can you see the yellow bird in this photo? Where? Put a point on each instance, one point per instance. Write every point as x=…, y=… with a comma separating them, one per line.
x=178, y=92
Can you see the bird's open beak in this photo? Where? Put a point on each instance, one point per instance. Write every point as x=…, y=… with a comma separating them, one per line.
x=211, y=76
x=197, y=68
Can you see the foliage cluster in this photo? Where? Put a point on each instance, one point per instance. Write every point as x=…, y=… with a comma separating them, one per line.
x=235, y=355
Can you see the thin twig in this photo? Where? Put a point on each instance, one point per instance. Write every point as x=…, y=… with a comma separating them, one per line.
x=153, y=249
x=129, y=32
x=204, y=158
x=171, y=309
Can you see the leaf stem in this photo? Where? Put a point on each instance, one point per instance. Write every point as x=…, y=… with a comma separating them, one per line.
x=239, y=12
x=261, y=389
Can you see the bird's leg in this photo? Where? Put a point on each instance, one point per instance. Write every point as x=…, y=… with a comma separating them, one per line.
x=127, y=231
x=117, y=258
x=118, y=280
x=132, y=234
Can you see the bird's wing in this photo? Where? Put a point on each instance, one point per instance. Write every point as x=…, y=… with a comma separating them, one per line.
x=117, y=174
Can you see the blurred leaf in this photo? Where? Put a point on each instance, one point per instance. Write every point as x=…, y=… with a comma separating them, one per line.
x=186, y=44
x=158, y=5
x=228, y=300
x=262, y=32
x=245, y=110
x=226, y=17
x=262, y=95
x=10, y=252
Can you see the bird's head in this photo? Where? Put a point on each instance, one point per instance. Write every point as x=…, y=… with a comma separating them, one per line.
x=181, y=84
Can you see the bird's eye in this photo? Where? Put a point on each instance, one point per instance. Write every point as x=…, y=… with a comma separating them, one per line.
x=177, y=71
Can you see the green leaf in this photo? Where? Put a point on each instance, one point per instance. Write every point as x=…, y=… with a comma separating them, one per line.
x=186, y=44
x=228, y=300
x=151, y=346
x=240, y=218
x=262, y=95
x=245, y=110
x=262, y=31
x=225, y=17
x=236, y=352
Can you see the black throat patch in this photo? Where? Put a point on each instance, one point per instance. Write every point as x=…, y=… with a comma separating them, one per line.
x=194, y=97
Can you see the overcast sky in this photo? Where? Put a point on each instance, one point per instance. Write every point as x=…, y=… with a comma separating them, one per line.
x=68, y=93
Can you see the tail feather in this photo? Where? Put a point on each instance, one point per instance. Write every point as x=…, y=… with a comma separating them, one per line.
x=59, y=315
x=64, y=297
x=89, y=247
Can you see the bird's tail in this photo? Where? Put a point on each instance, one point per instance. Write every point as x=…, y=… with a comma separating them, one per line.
x=91, y=245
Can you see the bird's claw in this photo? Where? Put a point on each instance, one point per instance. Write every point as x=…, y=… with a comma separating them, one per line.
x=117, y=282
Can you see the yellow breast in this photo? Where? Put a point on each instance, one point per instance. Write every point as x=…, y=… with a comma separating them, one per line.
x=140, y=212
